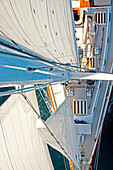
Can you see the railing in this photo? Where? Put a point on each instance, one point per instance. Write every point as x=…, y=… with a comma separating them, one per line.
x=107, y=38
x=104, y=106
x=97, y=94
x=101, y=118
x=104, y=54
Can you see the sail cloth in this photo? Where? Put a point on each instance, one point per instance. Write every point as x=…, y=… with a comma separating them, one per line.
x=61, y=124
x=21, y=147
x=44, y=27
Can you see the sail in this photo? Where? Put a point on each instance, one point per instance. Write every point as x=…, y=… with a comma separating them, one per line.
x=61, y=124
x=21, y=147
x=42, y=27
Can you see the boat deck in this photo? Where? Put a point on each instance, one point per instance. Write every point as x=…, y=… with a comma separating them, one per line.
x=94, y=94
x=87, y=96
x=89, y=99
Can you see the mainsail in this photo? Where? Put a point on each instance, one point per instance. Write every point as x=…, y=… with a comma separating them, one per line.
x=44, y=27
x=62, y=127
x=21, y=147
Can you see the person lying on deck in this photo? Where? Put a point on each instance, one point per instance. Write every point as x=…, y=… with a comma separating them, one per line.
x=92, y=29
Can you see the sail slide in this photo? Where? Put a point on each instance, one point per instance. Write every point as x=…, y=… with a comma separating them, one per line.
x=61, y=124
x=21, y=147
x=43, y=27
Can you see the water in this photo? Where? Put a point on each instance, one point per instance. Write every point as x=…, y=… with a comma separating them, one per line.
x=4, y=98
x=106, y=147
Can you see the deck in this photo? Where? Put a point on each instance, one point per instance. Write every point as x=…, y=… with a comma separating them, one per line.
x=96, y=93
x=89, y=98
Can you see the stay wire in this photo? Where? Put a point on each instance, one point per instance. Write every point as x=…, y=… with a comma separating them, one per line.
x=54, y=64
x=39, y=117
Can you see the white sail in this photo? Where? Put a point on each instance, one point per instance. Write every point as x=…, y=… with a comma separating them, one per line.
x=20, y=144
x=61, y=124
x=44, y=27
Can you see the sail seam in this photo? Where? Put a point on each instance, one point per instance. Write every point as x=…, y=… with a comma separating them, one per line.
x=6, y=145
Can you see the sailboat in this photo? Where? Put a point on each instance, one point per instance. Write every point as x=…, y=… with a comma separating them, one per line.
x=44, y=44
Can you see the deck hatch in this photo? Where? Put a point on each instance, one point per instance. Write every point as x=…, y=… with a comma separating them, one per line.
x=80, y=106
x=91, y=62
x=100, y=18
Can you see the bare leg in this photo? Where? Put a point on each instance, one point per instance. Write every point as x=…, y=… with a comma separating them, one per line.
x=90, y=37
x=92, y=44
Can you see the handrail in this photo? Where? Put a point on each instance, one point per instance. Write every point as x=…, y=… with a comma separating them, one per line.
x=103, y=108
x=102, y=119
x=104, y=57
x=97, y=98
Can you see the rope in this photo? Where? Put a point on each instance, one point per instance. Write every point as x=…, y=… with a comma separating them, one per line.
x=39, y=117
x=19, y=91
x=66, y=66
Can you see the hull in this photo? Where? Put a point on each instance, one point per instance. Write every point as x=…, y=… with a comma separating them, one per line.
x=99, y=137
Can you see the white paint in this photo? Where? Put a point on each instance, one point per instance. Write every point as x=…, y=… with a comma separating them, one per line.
x=76, y=4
